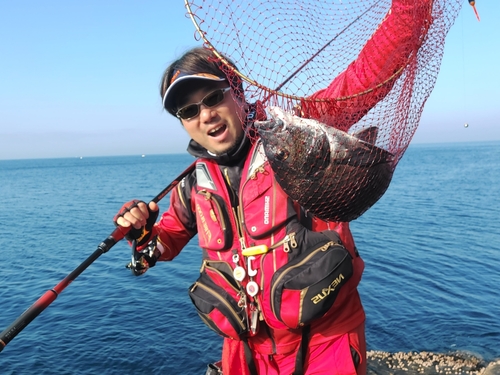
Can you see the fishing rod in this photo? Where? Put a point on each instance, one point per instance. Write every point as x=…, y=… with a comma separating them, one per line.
x=50, y=295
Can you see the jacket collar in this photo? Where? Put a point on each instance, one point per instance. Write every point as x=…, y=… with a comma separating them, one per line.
x=233, y=156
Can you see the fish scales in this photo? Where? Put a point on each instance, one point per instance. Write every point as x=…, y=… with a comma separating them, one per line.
x=332, y=174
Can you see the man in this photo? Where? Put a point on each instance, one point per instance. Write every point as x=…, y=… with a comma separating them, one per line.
x=252, y=235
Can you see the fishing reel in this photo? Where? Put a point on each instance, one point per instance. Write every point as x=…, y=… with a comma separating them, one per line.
x=144, y=259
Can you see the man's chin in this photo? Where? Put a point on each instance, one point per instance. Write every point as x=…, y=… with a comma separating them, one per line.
x=229, y=148
x=223, y=151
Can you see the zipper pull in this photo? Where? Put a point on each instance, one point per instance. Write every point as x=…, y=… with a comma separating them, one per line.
x=260, y=169
x=286, y=248
x=203, y=264
x=194, y=287
x=242, y=303
x=205, y=193
x=289, y=242
x=213, y=216
x=242, y=243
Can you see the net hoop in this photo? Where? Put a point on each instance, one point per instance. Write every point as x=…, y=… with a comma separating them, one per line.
x=277, y=92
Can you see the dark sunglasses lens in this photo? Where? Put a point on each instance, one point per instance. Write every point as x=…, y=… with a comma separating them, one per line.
x=213, y=98
x=188, y=111
x=193, y=110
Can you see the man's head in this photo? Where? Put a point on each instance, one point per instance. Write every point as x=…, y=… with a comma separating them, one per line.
x=211, y=106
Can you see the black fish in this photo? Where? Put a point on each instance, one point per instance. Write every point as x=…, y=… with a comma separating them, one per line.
x=332, y=174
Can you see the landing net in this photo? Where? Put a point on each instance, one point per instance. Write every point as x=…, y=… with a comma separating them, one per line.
x=350, y=64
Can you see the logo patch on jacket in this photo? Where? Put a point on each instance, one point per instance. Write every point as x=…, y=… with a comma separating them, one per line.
x=267, y=200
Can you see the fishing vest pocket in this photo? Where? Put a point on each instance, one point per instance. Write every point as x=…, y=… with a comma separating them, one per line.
x=214, y=226
x=219, y=300
x=265, y=207
x=305, y=289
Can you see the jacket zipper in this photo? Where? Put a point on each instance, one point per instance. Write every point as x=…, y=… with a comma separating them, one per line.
x=206, y=265
x=208, y=196
x=288, y=242
x=253, y=176
x=236, y=214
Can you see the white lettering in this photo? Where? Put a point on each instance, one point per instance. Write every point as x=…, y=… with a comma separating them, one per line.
x=267, y=200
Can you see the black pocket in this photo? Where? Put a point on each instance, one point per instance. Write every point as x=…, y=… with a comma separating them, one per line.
x=217, y=301
x=306, y=288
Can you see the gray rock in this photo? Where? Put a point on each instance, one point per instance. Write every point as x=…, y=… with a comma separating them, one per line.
x=492, y=369
x=427, y=363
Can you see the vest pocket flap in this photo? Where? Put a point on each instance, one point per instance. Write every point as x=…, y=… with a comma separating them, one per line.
x=306, y=288
x=214, y=225
x=221, y=274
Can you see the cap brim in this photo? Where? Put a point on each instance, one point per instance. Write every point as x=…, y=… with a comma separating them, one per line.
x=170, y=94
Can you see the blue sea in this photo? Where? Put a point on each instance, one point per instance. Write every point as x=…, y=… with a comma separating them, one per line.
x=431, y=247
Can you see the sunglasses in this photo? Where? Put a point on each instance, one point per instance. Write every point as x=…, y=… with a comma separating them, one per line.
x=210, y=100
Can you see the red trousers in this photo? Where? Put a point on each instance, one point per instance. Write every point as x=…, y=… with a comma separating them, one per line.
x=332, y=357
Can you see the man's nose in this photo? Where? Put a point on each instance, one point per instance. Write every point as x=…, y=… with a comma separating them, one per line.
x=206, y=113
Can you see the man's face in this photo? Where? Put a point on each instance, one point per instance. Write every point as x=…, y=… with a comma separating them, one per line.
x=219, y=128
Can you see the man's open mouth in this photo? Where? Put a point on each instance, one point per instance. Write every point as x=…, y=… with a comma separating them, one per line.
x=217, y=131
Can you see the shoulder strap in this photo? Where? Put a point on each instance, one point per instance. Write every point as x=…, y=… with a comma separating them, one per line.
x=301, y=353
x=249, y=359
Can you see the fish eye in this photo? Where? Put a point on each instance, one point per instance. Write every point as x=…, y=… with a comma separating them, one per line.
x=282, y=155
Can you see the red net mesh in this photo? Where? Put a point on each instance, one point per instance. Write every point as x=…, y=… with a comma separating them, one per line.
x=362, y=68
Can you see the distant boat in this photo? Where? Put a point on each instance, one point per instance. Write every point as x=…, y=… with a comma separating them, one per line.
x=143, y=155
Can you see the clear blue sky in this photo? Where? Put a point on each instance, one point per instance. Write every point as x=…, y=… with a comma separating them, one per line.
x=81, y=78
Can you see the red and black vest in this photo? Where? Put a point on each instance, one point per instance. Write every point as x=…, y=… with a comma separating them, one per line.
x=259, y=252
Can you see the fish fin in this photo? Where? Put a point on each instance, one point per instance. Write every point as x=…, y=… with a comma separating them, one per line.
x=368, y=135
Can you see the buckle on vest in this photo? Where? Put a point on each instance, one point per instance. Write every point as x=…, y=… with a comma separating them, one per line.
x=255, y=250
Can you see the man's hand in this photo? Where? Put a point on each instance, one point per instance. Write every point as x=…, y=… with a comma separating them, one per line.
x=138, y=219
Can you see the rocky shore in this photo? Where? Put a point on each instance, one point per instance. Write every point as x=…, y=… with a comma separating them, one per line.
x=383, y=363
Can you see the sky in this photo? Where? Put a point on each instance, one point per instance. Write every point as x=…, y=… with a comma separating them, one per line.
x=81, y=78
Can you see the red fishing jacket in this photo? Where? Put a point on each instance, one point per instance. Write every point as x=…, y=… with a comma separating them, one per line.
x=230, y=219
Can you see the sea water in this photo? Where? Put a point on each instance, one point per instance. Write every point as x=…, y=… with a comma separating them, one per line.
x=431, y=247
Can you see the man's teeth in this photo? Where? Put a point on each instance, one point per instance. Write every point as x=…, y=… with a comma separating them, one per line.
x=215, y=130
